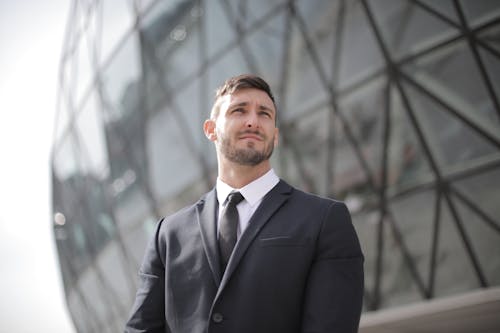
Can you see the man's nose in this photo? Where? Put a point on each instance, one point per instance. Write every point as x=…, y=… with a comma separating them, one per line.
x=252, y=120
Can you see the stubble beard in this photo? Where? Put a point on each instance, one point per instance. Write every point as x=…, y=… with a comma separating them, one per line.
x=245, y=156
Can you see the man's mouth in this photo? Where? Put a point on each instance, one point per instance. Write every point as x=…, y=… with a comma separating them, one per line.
x=252, y=136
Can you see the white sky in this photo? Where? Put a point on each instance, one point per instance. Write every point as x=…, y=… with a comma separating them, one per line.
x=31, y=39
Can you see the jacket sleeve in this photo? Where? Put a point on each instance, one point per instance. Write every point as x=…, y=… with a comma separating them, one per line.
x=334, y=292
x=148, y=311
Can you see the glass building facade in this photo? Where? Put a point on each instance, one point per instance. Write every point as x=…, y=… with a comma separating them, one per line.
x=392, y=106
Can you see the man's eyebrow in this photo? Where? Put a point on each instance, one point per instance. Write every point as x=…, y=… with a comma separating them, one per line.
x=237, y=104
x=264, y=107
x=261, y=106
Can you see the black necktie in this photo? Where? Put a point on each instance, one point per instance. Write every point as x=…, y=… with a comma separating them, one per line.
x=228, y=227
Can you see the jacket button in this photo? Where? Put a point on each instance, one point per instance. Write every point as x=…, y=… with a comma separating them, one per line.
x=217, y=317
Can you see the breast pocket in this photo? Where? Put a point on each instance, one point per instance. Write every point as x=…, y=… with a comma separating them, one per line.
x=283, y=241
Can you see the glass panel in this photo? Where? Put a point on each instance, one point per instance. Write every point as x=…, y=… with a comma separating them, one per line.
x=83, y=201
x=491, y=37
x=364, y=112
x=87, y=226
x=81, y=248
x=84, y=234
x=121, y=91
x=171, y=40
x=117, y=19
x=160, y=17
x=218, y=29
x=366, y=224
x=116, y=276
x=82, y=317
x=131, y=207
x=265, y=46
x=398, y=285
x=173, y=171
x=478, y=12
x=304, y=90
x=416, y=229
x=185, y=51
x=482, y=189
x=135, y=240
x=127, y=156
x=71, y=240
x=143, y=5
x=153, y=90
x=61, y=236
x=485, y=240
x=65, y=252
x=65, y=162
x=246, y=12
x=455, y=273
x=289, y=167
x=124, y=128
x=452, y=140
x=196, y=101
x=89, y=127
x=443, y=7
x=231, y=64
x=96, y=296
x=62, y=117
x=84, y=68
x=360, y=53
x=492, y=65
x=452, y=75
x=307, y=144
x=97, y=221
x=408, y=164
x=349, y=180
x=192, y=111
x=324, y=20
x=407, y=28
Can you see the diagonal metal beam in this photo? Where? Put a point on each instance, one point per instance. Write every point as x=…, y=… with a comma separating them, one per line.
x=456, y=25
x=476, y=209
x=434, y=244
x=394, y=74
x=487, y=131
x=477, y=56
x=313, y=53
x=465, y=239
x=338, y=42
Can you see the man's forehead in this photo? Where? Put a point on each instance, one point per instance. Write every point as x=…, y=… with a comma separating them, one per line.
x=247, y=96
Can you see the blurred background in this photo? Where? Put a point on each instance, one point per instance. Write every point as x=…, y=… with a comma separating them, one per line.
x=390, y=105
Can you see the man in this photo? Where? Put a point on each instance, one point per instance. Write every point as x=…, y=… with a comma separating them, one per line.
x=296, y=266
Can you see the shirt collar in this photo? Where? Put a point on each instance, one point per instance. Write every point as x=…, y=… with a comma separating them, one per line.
x=252, y=192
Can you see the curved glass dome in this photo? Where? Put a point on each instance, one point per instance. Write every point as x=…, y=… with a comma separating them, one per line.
x=391, y=106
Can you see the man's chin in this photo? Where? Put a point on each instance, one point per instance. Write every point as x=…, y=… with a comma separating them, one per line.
x=248, y=157
x=247, y=143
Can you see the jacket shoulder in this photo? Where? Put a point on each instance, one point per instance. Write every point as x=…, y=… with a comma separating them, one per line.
x=312, y=198
x=185, y=213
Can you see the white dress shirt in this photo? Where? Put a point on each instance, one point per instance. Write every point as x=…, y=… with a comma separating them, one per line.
x=253, y=193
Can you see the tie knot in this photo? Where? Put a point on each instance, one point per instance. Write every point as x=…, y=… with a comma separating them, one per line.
x=234, y=198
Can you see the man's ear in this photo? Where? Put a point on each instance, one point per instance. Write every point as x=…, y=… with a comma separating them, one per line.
x=276, y=136
x=209, y=129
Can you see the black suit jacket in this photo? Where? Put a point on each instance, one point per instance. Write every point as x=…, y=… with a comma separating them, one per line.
x=298, y=267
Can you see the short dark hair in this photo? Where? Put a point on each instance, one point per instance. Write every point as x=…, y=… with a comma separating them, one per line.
x=239, y=82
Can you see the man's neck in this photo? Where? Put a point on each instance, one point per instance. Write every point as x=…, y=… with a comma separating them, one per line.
x=237, y=176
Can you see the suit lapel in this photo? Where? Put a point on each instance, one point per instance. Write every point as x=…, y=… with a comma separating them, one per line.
x=270, y=204
x=206, y=210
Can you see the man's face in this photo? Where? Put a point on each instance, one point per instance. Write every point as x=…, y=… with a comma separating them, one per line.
x=244, y=130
